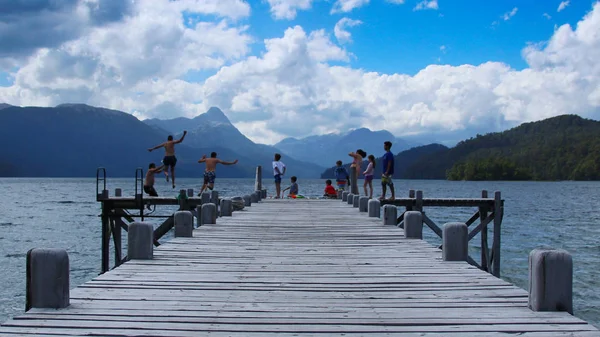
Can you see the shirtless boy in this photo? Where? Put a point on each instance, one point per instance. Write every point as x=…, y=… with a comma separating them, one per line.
x=209, y=172
x=169, y=160
x=149, y=181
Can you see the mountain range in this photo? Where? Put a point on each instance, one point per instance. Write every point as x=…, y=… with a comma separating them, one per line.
x=326, y=149
x=72, y=140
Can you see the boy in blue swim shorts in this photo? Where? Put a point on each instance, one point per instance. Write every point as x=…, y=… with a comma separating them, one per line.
x=210, y=172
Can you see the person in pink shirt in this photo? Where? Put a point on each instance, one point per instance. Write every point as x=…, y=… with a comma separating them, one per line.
x=369, y=176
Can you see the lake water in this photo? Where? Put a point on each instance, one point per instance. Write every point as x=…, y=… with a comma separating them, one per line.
x=63, y=213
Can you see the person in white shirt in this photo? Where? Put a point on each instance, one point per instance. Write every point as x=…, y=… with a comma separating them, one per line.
x=278, y=172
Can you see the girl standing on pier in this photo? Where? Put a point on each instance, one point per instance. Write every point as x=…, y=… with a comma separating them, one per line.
x=369, y=176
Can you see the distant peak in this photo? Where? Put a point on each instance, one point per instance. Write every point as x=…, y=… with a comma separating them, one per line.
x=214, y=114
x=4, y=106
x=73, y=105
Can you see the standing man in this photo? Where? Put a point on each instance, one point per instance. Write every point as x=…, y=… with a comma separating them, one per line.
x=278, y=172
x=387, y=171
x=210, y=171
x=169, y=160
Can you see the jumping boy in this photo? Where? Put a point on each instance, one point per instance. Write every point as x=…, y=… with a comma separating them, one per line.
x=210, y=171
x=278, y=172
x=169, y=160
x=149, y=181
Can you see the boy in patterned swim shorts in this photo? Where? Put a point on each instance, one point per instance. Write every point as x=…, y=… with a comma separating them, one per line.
x=209, y=172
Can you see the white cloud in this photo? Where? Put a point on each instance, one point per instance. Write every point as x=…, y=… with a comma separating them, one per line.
x=547, y=16
x=427, y=4
x=287, y=9
x=443, y=49
x=562, y=5
x=345, y=6
x=508, y=15
x=293, y=89
x=341, y=34
x=397, y=2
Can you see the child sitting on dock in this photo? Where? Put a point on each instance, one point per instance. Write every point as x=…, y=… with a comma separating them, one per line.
x=293, y=187
x=149, y=181
x=341, y=176
x=209, y=172
x=330, y=192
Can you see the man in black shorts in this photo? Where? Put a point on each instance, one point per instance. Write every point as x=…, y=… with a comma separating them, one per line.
x=169, y=160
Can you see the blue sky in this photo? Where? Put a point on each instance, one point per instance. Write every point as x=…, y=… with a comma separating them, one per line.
x=396, y=39
x=448, y=73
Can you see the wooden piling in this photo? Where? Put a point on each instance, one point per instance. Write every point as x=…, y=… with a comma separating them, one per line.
x=413, y=225
x=140, y=241
x=550, y=280
x=209, y=214
x=184, y=224
x=374, y=208
x=363, y=204
x=47, y=283
x=226, y=207
x=455, y=240
x=390, y=215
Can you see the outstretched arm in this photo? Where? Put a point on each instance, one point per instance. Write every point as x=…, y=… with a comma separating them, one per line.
x=181, y=139
x=157, y=169
x=228, y=162
x=203, y=159
x=156, y=147
x=287, y=188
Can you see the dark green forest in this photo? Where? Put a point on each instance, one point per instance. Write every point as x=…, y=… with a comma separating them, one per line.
x=565, y=147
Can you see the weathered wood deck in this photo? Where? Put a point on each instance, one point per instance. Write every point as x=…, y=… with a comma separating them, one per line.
x=297, y=268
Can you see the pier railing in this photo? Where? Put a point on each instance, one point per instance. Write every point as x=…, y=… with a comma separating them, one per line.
x=118, y=211
x=489, y=211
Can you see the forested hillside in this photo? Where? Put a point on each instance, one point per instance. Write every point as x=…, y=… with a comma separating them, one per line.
x=565, y=147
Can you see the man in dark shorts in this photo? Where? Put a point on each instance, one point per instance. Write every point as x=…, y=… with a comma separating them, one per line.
x=169, y=160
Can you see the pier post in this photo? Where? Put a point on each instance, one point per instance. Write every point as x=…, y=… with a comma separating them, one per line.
x=47, y=283
x=353, y=181
x=190, y=192
x=413, y=225
x=550, y=280
x=345, y=196
x=411, y=195
x=350, y=198
x=390, y=215
x=499, y=210
x=258, y=180
x=355, y=201
x=214, y=197
x=247, y=200
x=140, y=241
x=118, y=192
x=198, y=215
x=374, y=208
x=419, y=201
x=263, y=194
x=254, y=198
x=339, y=194
x=363, y=204
x=455, y=240
x=209, y=214
x=226, y=207
x=104, y=194
x=205, y=198
x=258, y=195
x=184, y=224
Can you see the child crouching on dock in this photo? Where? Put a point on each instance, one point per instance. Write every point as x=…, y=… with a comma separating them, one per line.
x=293, y=187
x=330, y=191
x=149, y=181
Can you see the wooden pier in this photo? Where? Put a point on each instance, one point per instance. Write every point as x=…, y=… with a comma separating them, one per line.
x=297, y=268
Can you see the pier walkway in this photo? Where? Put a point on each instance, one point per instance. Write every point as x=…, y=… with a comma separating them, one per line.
x=297, y=268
